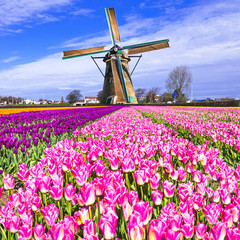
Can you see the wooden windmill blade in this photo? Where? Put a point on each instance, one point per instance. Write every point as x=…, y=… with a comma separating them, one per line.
x=147, y=47
x=112, y=24
x=83, y=52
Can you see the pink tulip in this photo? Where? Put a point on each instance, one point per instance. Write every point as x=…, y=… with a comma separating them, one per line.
x=58, y=231
x=133, y=197
x=100, y=170
x=170, y=235
x=201, y=188
x=44, y=184
x=154, y=181
x=15, y=198
x=52, y=169
x=27, y=220
x=13, y=224
x=227, y=217
x=225, y=196
x=175, y=222
x=187, y=231
x=25, y=232
x=144, y=210
x=140, y=177
x=182, y=174
x=36, y=202
x=81, y=216
x=57, y=180
x=56, y=192
x=183, y=208
x=22, y=209
x=71, y=224
x=236, y=213
x=201, y=229
x=113, y=163
x=209, y=192
x=8, y=182
x=199, y=201
x=212, y=212
x=136, y=228
x=50, y=214
x=107, y=225
x=99, y=185
x=156, y=229
x=183, y=193
x=23, y=173
x=169, y=209
x=197, y=175
x=81, y=177
x=110, y=198
x=69, y=192
x=39, y=231
x=233, y=233
x=127, y=210
x=88, y=192
x=216, y=196
x=219, y=231
x=89, y=228
x=157, y=197
x=168, y=188
x=189, y=167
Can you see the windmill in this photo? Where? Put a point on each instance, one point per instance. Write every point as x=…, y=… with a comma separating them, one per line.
x=117, y=87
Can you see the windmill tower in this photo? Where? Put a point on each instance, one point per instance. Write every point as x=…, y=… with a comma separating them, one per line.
x=117, y=87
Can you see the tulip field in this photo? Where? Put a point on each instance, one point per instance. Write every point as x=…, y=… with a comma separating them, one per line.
x=133, y=173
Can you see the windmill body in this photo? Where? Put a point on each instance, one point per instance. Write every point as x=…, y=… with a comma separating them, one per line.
x=117, y=87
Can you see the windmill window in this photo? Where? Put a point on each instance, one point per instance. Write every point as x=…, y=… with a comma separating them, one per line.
x=110, y=80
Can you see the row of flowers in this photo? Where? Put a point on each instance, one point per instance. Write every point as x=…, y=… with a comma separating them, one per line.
x=220, y=127
x=13, y=110
x=25, y=135
x=124, y=177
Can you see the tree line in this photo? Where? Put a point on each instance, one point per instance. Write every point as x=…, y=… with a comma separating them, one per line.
x=178, y=84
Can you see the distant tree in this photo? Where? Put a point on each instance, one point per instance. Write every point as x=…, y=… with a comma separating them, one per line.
x=140, y=93
x=151, y=95
x=100, y=95
x=74, y=96
x=167, y=96
x=179, y=80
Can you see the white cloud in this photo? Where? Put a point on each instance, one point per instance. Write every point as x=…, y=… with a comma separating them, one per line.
x=10, y=59
x=17, y=11
x=84, y=12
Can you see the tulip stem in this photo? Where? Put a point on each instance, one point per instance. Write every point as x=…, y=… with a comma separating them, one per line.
x=90, y=211
x=70, y=208
x=66, y=181
x=9, y=235
x=141, y=187
x=134, y=181
x=45, y=199
x=35, y=215
x=60, y=210
x=127, y=181
x=98, y=207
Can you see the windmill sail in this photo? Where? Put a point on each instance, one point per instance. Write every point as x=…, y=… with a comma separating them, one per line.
x=147, y=47
x=83, y=52
x=113, y=26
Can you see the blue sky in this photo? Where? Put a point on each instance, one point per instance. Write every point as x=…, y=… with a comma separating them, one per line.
x=204, y=35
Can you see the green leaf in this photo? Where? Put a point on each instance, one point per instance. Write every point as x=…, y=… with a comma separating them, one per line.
x=3, y=233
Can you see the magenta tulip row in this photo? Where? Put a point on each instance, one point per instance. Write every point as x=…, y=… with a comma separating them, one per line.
x=124, y=177
x=218, y=123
